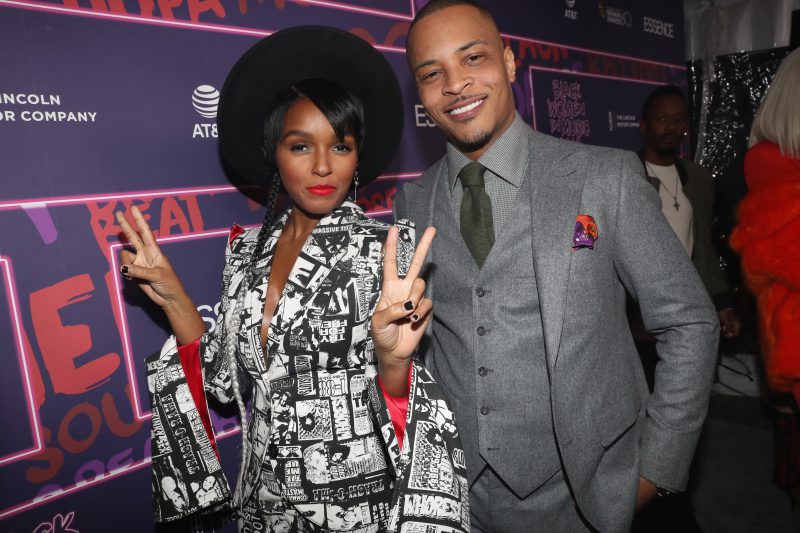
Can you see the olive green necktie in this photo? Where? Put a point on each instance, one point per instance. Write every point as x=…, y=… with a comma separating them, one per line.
x=477, y=227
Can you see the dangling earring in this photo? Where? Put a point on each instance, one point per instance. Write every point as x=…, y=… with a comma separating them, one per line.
x=355, y=185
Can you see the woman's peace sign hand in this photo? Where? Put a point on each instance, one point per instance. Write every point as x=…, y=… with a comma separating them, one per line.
x=148, y=266
x=402, y=313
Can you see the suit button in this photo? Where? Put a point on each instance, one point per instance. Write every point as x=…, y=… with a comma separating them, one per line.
x=273, y=451
x=481, y=331
x=481, y=292
x=484, y=410
x=482, y=371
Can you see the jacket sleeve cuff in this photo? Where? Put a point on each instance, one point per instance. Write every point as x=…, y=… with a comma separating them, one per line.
x=398, y=410
x=667, y=456
x=190, y=349
x=189, y=355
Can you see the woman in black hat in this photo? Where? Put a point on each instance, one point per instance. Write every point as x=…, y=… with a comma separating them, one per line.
x=320, y=450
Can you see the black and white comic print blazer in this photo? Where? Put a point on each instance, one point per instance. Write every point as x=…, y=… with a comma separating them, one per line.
x=320, y=434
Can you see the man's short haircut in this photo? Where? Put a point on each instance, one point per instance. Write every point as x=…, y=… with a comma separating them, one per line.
x=437, y=5
x=658, y=92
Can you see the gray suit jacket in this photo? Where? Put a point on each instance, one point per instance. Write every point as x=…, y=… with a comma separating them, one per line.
x=609, y=429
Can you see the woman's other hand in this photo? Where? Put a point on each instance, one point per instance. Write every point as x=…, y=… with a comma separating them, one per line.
x=151, y=269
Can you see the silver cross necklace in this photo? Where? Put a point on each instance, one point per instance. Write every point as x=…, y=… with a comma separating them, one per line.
x=677, y=204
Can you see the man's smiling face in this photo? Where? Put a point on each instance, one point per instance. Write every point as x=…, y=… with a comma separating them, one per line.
x=463, y=75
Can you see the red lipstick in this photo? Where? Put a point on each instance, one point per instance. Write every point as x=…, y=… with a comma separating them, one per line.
x=321, y=190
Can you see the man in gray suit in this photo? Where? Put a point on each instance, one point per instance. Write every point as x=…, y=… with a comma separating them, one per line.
x=538, y=240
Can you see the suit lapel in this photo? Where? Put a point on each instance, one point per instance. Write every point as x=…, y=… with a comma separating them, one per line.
x=556, y=189
x=253, y=311
x=323, y=249
x=422, y=192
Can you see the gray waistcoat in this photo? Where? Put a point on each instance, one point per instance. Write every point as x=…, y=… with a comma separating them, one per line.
x=488, y=349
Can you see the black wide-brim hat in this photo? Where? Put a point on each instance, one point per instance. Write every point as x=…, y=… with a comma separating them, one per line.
x=295, y=54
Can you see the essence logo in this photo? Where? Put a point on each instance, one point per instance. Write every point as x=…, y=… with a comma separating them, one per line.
x=421, y=117
x=205, y=100
x=570, y=13
x=659, y=27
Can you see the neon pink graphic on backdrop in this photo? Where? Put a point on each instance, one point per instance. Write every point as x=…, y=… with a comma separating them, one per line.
x=40, y=6
x=532, y=68
x=22, y=356
x=108, y=197
x=59, y=524
x=344, y=6
x=42, y=221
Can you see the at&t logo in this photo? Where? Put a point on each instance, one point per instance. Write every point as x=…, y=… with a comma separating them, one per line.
x=570, y=13
x=205, y=100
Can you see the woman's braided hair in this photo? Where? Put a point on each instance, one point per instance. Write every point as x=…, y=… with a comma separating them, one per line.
x=233, y=320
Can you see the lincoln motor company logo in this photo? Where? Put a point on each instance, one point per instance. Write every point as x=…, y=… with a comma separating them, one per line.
x=23, y=106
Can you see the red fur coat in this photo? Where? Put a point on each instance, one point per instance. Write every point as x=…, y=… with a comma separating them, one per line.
x=768, y=239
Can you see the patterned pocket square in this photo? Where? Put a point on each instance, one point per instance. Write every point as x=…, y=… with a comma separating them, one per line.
x=585, y=232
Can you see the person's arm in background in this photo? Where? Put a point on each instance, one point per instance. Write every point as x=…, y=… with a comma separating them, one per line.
x=707, y=258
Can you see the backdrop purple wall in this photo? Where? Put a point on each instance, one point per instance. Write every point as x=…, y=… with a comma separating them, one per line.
x=97, y=114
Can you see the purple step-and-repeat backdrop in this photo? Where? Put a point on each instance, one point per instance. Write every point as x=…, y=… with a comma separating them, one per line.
x=104, y=104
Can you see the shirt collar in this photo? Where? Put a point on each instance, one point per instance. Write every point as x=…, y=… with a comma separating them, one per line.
x=507, y=158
